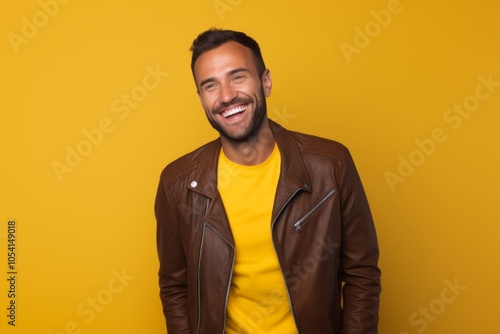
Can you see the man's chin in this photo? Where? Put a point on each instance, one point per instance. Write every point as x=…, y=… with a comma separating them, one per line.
x=236, y=136
x=240, y=132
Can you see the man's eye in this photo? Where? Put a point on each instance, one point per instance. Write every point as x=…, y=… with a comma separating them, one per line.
x=209, y=87
x=238, y=77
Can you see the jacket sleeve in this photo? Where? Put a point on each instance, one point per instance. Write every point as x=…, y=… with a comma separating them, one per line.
x=173, y=266
x=359, y=256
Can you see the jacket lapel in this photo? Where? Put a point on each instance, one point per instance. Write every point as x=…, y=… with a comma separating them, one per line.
x=293, y=175
x=204, y=182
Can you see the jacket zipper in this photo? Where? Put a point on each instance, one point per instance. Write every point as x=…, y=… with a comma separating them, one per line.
x=205, y=223
x=227, y=295
x=276, y=251
x=228, y=285
x=299, y=223
x=198, y=270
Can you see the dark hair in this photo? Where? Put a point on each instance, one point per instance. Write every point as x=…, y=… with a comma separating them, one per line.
x=213, y=38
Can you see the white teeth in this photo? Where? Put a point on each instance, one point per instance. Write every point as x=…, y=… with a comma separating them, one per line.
x=234, y=110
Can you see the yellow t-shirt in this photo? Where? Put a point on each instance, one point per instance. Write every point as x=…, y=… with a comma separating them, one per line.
x=258, y=300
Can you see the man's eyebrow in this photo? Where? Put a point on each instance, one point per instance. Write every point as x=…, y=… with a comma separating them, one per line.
x=232, y=72
x=237, y=70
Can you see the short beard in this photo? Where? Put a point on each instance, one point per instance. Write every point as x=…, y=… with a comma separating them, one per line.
x=254, y=126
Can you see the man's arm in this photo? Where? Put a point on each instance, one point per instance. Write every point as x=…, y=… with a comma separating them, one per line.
x=173, y=266
x=359, y=255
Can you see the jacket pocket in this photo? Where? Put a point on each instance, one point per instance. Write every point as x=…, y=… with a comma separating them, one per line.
x=299, y=223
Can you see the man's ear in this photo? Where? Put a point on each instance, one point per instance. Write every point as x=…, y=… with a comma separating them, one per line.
x=267, y=82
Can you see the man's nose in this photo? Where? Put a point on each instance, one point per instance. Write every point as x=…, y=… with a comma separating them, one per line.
x=227, y=92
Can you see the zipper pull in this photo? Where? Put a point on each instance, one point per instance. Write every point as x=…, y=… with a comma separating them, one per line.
x=298, y=227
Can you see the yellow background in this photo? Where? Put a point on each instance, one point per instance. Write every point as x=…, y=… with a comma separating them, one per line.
x=77, y=232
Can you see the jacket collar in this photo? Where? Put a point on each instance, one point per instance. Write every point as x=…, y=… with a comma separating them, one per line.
x=293, y=174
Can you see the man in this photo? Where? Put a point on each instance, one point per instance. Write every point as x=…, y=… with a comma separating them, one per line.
x=263, y=230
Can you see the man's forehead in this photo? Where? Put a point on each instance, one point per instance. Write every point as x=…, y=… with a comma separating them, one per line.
x=228, y=54
x=222, y=61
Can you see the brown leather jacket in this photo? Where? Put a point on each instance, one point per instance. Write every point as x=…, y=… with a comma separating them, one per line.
x=322, y=229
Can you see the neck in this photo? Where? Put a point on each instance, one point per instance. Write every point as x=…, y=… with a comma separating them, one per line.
x=253, y=151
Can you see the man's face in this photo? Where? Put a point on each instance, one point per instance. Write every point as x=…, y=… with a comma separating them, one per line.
x=231, y=90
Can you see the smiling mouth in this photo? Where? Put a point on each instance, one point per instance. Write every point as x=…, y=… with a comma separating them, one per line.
x=234, y=110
